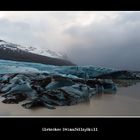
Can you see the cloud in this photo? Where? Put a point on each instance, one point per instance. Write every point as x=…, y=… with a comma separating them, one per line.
x=111, y=43
x=14, y=31
x=101, y=38
x=40, y=29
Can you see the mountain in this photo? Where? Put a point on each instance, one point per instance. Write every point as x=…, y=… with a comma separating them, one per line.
x=10, y=51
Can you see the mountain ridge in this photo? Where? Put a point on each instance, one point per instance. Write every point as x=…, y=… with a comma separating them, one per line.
x=10, y=51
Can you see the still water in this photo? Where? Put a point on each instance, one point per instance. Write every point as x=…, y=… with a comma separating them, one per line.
x=125, y=102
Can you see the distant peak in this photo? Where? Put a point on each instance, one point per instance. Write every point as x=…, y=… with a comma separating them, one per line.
x=30, y=49
x=2, y=40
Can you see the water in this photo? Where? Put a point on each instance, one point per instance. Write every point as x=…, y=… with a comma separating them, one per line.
x=126, y=102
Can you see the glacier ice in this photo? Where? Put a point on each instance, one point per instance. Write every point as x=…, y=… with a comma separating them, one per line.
x=37, y=84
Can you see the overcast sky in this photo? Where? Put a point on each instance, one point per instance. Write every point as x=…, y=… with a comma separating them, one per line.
x=104, y=38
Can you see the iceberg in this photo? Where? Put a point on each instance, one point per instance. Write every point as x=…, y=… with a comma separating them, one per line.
x=35, y=84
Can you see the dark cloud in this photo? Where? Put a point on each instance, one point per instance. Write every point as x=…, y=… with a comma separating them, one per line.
x=111, y=39
x=113, y=43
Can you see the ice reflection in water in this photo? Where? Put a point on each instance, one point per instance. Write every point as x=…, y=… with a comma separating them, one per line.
x=119, y=84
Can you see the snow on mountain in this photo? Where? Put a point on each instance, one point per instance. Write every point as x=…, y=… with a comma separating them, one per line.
x=40, y=51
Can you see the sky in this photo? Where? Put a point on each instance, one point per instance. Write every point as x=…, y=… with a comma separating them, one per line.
x=100, y=38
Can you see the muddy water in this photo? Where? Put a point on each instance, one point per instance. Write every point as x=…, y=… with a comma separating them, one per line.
x=126, y=102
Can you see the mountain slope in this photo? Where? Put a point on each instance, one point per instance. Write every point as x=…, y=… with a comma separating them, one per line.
x=10, y=51
x=39, y=51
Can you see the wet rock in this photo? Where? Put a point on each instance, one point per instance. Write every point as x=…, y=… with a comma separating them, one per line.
x=50, y=90
x=37, y=103
x=15, y=98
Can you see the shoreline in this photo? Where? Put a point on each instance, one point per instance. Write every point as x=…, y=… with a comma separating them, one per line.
x=123, y=103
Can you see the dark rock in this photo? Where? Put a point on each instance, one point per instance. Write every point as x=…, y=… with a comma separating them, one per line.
x=15, y=98
x=37, y=103
x=41, y=89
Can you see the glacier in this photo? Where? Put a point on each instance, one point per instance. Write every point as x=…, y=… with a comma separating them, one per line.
x=7, y=66
x=34, y=84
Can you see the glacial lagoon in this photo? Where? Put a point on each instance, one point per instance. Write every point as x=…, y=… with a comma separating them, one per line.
x=125, y=102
